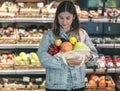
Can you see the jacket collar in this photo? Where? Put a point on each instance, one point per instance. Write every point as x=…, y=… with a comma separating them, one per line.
x=63, y=34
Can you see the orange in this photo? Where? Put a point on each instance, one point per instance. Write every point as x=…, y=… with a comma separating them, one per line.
x=66, y=46
x=93, y=77
x=92, y=82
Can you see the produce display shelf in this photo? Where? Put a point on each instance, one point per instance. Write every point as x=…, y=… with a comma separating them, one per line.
x=42, y=71
x=30, y=1
x=32, y=71
x=6, y=46
x=7, y=72
x=26, y=45
x=117, y=70
x=117, y=45
x=42, y=20
x=106, y=45
x=101, y=70
x=12, y=46
x=50, y=20
x=111, y=70
x=7, y=20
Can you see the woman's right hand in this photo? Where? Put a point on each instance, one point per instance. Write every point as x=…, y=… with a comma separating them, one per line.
x=73, y=61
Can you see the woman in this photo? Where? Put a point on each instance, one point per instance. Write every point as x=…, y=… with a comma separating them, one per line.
x=59, y=76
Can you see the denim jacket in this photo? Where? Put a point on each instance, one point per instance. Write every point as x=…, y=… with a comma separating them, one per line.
x=58, y=74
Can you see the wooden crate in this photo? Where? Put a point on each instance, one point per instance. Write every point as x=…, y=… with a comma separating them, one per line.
x=29, y=40
x=30, y=0
x=10, y=40
x=107, y=87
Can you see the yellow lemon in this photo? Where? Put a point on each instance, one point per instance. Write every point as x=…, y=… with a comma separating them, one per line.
x=58, y=42
x=73, y=40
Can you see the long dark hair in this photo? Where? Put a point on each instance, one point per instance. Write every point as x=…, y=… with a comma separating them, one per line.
x=68, y=6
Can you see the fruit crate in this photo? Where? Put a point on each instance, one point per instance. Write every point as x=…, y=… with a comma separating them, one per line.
x=10, y=39
x=29, y=40
x=101, y=86
x=6, y=59
x=27, y=13
x=14, y=86
x=30, y=0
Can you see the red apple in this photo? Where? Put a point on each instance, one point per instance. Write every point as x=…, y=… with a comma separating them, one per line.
x=10, y=56
x=9, y=60
x=118, y=59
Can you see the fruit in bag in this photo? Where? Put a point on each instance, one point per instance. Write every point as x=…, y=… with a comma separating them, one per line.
x=66, y=46
x=81, y=45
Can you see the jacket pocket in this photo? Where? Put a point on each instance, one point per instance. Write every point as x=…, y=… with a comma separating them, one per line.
x=55, y=77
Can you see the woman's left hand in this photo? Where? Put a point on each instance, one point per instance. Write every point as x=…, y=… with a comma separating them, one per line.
x=88, y=57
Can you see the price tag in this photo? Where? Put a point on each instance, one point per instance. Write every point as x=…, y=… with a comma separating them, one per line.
x=5, y=79
x=1, y=58
x=21, y=4
x=29, y=55
x=97, y=79
x=7, y=3
x=21, y=31
x=34, y=30
x=40, y=5
x=26, y=79
x=38, y=79
x=86, y=79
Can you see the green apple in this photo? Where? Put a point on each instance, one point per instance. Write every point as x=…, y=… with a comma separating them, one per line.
x=18, y=58
x=25, y=58
x=81, y=45
x=22, y=54
x=34, y=56
x=32, y=60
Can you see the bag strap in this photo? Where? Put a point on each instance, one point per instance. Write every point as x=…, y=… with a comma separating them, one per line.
x=82, y=34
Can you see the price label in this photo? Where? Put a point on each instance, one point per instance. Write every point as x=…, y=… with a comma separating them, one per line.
x=86, y=79
x=5, y=79
x=7, y=3
x=40, y=5
x=1, y=57
x=38, y=79
x=34, y=30
x=29, y=55
x=26, y=79
x=21, y=31
x=21, y=4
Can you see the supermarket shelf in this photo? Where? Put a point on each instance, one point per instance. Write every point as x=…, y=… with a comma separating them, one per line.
x=12, y=46
x=7, y=46
x=7, y=72
x=106, y=45
x=42, y=71
x=26, y=46
x=29, y=1
x=117, y=45
x=13, y=72
x=50, y=20
x=117, y=70
x=101, y=71
x=7, y=20
x=42, y=20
